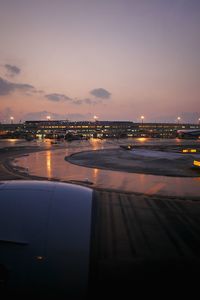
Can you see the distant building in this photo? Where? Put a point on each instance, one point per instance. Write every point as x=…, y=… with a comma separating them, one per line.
x=99, y=129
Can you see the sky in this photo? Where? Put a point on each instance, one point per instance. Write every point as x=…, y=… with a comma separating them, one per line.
x=116, y=59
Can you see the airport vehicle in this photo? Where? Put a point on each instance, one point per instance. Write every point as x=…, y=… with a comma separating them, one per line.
x=127, y=147
x=189, y=150
x=196, y=164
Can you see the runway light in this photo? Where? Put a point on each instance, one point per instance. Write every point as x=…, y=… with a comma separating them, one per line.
x=189, y=150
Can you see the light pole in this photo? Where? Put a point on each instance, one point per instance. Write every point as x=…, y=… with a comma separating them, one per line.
x=178, y=119
x=142, y=119
x=95, y=118
x=11, y=120
x=141, y=131
x=95, y=127
x=48, y=118
x=199, y=121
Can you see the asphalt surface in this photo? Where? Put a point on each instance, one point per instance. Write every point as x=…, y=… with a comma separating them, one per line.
x=139, y=243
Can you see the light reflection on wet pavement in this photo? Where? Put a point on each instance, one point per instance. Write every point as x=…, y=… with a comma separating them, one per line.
x=51, y=164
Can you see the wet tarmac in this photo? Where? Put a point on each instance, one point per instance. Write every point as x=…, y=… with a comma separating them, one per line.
x=52, y=165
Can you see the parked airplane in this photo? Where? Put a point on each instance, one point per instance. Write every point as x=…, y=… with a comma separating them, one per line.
x=189, y=133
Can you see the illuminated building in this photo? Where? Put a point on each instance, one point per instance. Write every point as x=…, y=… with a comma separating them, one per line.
x=100, y=129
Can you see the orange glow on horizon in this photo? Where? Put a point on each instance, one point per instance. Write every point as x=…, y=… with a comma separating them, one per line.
x=142, y=139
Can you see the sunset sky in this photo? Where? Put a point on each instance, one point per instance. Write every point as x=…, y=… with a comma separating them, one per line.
x=117, y=59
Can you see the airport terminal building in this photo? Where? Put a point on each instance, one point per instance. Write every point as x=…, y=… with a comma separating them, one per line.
x=100, y=129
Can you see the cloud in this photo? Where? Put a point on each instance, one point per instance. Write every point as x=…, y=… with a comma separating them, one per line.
x=41, y=115
x=87, y=101
x=12, y=70
x=78, y=101
x=92, y=101
x=55, y=97
x=100, y=93
x=7, y=87
x=38, y=92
